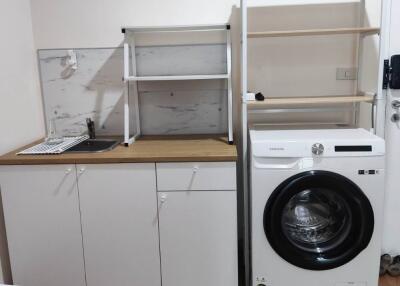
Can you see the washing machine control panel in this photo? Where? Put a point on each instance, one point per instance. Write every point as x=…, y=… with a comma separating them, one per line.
x=317, y=149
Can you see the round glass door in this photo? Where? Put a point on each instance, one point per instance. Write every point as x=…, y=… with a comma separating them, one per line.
x=318, y=220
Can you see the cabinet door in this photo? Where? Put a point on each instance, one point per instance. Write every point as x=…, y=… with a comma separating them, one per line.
x=41, y=210
x=119, y=224
x=198, y=238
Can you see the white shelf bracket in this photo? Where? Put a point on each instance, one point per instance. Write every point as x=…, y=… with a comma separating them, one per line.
x=127, y=74
x=384, y=44
x=230, y=92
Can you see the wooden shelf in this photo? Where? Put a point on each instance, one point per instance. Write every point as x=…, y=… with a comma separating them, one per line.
x=314, y=32
x=270, y=103
x=140, y=29
x=177, y=77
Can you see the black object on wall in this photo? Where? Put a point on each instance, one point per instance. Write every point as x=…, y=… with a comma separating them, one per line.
x=394, y=82
x=391, y=74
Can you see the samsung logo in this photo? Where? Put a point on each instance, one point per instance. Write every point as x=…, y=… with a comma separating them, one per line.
x=277, y=149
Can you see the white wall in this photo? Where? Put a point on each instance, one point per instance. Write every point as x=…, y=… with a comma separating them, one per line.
x=20, y=105
x=94, y=23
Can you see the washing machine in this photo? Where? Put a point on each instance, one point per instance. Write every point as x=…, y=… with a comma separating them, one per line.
x=316, y=207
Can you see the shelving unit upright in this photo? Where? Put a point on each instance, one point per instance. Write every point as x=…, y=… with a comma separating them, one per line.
x=310, y=104
x=131, y=74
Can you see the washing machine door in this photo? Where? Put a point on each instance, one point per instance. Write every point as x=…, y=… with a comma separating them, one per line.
x=318, y=220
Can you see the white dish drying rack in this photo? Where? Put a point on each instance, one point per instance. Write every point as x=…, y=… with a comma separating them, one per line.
x=53, y=149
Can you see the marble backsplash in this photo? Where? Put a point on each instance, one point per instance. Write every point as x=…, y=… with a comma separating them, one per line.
x=96, y=90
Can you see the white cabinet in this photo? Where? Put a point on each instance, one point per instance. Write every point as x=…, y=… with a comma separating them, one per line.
x=198, y=238
x=119, y=224
x=101, y=225
x=196, y=176
x=41, y=211
x=198, y=229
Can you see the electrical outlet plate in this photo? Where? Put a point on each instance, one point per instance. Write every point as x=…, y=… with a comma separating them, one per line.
x=346, y=73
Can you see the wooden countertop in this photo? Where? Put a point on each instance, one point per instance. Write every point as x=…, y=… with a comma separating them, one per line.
x=389, y=281
x=145, y=150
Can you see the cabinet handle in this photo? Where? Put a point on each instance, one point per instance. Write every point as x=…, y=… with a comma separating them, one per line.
x=196, y=169
x=163, y=198
x=82, y=170
x=68, y=171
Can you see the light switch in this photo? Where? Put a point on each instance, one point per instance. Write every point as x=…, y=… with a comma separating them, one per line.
x=346, y=73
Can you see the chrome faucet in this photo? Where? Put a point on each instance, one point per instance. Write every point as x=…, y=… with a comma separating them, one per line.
x=91, y=128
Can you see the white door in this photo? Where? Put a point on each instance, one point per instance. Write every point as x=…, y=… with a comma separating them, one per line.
x=41, y=210
x=198, y=238
x=119, y=224
x=391, y=235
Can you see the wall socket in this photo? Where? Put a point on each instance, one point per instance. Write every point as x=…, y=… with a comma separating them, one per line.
x=346, y=73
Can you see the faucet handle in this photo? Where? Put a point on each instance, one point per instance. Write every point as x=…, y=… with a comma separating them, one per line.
x=91, y=128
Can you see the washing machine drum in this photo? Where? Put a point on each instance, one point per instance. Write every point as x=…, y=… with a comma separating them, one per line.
x=318, y=220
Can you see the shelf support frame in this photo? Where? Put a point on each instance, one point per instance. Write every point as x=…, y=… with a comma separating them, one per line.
x=229, y=80
x=130, y=74
x=244, y=139
x=384, y=46
x=128, y=140
x=378, y=105
x=359, y=62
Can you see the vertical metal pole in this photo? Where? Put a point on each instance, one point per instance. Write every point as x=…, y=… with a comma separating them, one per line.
x=244, y=87
x=359, y=60
x=384, y=45
x=136, y=86
x=229, y=71
x=246, y=196
x=126, y=94
x=360, y=51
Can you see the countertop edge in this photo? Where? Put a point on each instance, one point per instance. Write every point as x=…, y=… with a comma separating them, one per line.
x=146, y=150
x=45, y=161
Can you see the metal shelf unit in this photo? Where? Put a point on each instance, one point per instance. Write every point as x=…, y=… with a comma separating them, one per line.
x=307, y=104
x=131, y=75
x=319, y=102
x=361, y=96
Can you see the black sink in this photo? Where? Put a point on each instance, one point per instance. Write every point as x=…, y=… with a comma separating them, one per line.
x=94, y=146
